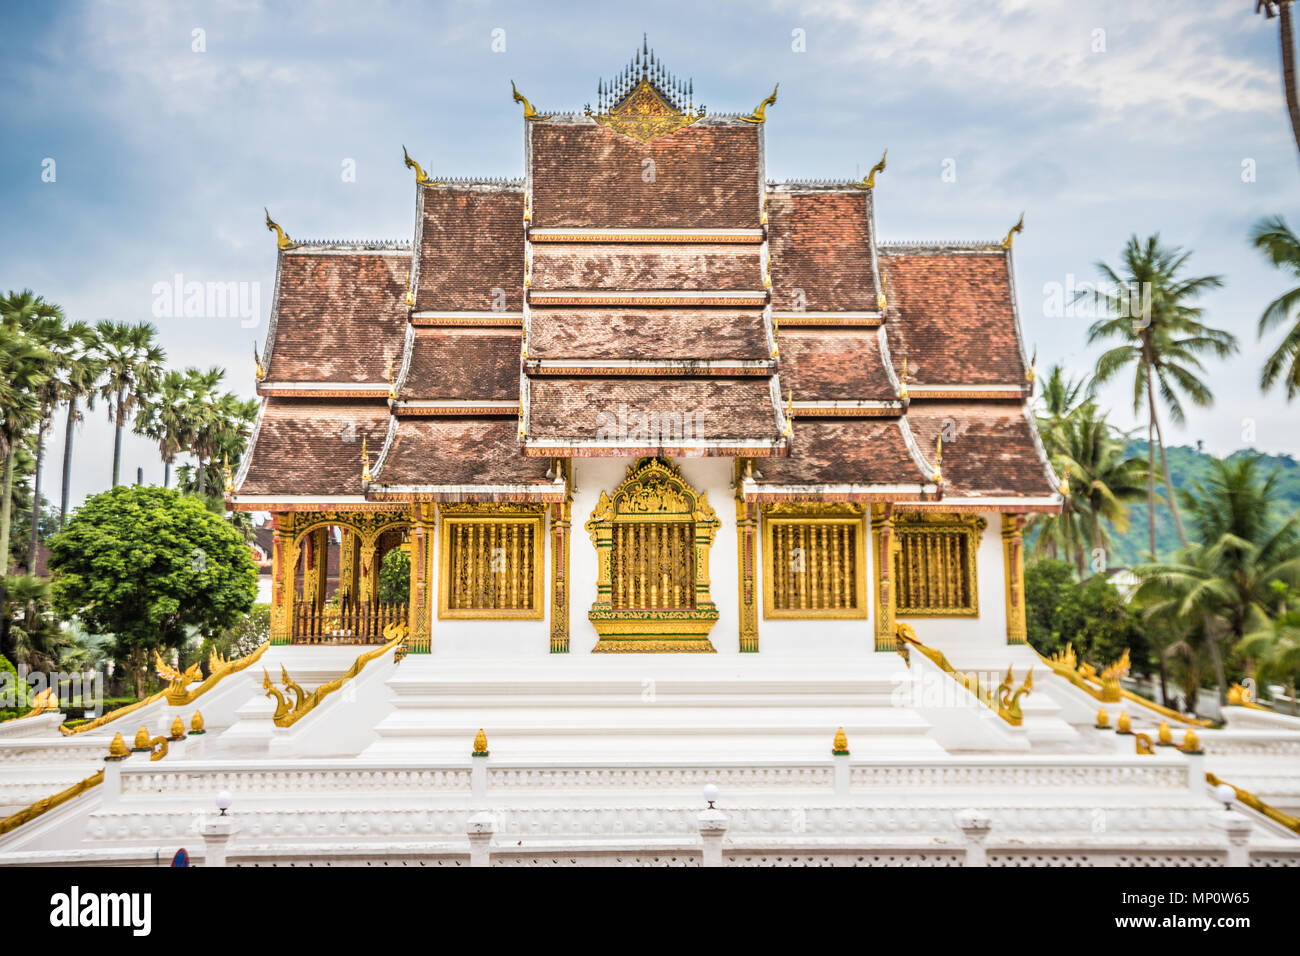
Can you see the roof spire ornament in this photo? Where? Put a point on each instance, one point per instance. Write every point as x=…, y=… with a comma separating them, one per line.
x=392, y=382
x=937, y=477
x=882, y=299
x=530, y=113
x=902, y=388
x=1018, y=227
x=869, y=181
x=282, y=240
x=365, y=461
x=421, y=177
x=788, y=430
x=230, y=480
x=760, y=111
x=258, y=370
x=1031, y=372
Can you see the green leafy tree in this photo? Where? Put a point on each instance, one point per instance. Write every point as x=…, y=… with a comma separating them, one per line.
x=132, y=363
x=1091, y=615
x=1046, y=584
x=1274, y=238
x=146, y=563
x=395, y=578
x=1276, y=645
x=1162, y=345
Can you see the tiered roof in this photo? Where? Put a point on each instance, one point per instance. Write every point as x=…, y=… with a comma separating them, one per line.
x=643, y=291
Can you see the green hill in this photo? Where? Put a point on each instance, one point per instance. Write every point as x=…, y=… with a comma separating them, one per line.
x=1187, y=465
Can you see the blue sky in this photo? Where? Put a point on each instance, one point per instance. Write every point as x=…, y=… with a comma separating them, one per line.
x=1098, y=119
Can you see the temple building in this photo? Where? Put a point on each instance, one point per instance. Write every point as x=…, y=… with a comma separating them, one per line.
x=642, y=511
x=757, y=412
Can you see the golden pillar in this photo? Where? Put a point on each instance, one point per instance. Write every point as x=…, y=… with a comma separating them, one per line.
x=284, y=564
x=561, y=520
x=347, y=568
x=883, y=544
x=421, y=609
x=746, y=535
x=321, y=550
x=367, y=573
x=1013, y=566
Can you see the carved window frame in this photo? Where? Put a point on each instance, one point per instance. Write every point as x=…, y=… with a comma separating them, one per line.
x=532, y=516
x=971, y=526
x=816, y=516
x=654, y=490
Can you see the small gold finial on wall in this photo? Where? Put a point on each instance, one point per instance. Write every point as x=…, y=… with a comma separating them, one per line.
x=840, y=745
x=480, y=744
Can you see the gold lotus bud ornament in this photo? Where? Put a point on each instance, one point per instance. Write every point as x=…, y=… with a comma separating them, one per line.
x=1123, y=725
x=480, y=744
x=1142, y=745
x=840, y=745
x=117, y=749
x=178, y=729
x=196, y=723
x=1191, y=743
x=1163, y=735
x=142, y=740
x=1103, y=719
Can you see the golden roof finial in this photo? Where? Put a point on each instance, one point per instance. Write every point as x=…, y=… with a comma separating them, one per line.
x=529, y=112
x=937, y=477
x=528, y=205
x=365, y=460
x=196, y=723
x=762, y=218
x=230, y=479
x=788, y=431
x=282, y=240
x=882, y=299
x=760, y=111
x=410, y=293
x=258, y=369
x=1031, y=372
x=1064, y=487
x=392, y=382
x=421, y=177
x=117, y=749
x=840, y=745
x=902, y=387
x=480, y=744
x=869, y=181
x=1018, y=227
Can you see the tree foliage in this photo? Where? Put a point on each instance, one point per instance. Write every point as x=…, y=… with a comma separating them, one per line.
x=144, y=564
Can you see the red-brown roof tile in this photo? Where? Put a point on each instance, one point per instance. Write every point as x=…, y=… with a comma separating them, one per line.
x=463, y=364
x=313, y=447
x=582, y=265
x=820, y=249
x=824, y=365
x=340, y=316
x=458, y=451
x=988, y=448
x=647, y=333
x=951, y=316
x=588, y=176
x=864, y=451
x=471, y=249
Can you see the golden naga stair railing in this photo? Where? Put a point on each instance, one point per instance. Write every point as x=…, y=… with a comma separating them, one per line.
x=176, y=691
x=1104, y=686
x=1005, y=701
x=1258, y=805
x=289, y=713
x=359, y=623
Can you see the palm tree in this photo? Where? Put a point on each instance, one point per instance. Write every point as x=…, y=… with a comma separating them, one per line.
x=1271, y=9
x=80, y=373
x=1227, y=582
x=1060, y=395
x=1102, y=478
x=41, y=323
x=1277, y=646
x=202, y=413
x=1162, y=346
x=162, y=418
x=132, y=367
x=1281, y=247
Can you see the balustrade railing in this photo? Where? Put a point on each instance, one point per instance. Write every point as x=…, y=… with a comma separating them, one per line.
x=346, y=624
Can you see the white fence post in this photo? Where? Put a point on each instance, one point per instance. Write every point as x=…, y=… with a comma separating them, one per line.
x=479, y=829
x=713, y=826
x=974, y=826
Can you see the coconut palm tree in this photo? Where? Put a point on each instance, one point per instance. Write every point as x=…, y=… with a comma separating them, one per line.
x=1162, y=345
x=1102, y=478
x=1061, y=395
x=162, y=418
x=1282, y=9
x=132, y=366
x=1281, y=247
x=80, y=374
x=1226, y=584
x=203, y=415
x=1276, y=647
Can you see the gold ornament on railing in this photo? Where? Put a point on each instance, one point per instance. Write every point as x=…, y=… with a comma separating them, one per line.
x=117, y=749
x=1103, y=719
x=1164, y=737
x=291, y=685
x=840, y=745
x=1142, y=745
x=1124, y=725
x=177, y=731
x=177, y=680
x=47, y=700
x=480, y=744
x=281, y=705
x=196, y=723
x=141, y=739
x=1010, y=702
x=1191, y=743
